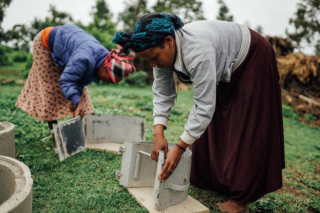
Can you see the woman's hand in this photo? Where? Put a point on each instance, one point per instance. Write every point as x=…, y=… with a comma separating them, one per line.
x=159, y=142
x=79, y=110
x=172, y=160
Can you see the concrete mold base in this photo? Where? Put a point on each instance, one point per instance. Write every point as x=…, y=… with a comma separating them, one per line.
x=15, y=185
x=144, y=198
x=7, y=143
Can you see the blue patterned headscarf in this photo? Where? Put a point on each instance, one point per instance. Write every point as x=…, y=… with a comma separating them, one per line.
x=149, y=31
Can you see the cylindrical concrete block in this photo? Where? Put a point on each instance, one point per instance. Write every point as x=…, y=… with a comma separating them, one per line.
x=16, y=186
x=7, y=144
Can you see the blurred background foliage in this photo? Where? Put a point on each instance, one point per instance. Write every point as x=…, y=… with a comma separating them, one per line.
x=299, y=74
x=20, y=37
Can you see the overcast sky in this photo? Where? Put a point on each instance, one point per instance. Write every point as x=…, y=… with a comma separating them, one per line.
x=272, y=15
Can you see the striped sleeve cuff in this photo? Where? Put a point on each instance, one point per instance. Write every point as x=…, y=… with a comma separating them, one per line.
x=187, y=138
x=161, y=120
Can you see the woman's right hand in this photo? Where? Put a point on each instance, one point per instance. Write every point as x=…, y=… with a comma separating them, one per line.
x=78, y=110
x=159, y=142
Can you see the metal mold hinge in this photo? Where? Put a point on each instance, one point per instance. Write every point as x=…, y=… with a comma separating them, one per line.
x=121, y=150
x=136, y=166
x=118, y=174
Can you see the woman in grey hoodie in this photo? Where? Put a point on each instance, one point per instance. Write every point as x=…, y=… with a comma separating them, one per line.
x=235, y=128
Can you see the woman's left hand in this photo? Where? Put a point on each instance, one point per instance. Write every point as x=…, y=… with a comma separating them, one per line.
x=172, y=159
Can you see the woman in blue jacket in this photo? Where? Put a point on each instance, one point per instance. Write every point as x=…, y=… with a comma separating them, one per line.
x=66, y=59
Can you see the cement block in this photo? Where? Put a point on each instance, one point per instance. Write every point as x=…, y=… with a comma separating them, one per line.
x=7, y=143
x=16, y=186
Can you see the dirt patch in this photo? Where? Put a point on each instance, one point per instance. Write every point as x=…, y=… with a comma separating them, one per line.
x=317, y=172
x=295, y=191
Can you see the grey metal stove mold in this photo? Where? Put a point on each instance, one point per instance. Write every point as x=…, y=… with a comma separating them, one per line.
x=147, y=167
x=73, y=135
x=114, y=128
x=175, y=189
x=60, y=148
x=139, y=170
x=70, y=137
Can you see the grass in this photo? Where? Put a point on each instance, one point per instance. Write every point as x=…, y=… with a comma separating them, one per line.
x=86, y=182
x=13, y=71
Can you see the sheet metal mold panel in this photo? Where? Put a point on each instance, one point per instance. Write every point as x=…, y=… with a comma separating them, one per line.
x=70, y=137
x=114, y=128
x=175, y=189
x=168, y=193
x=147, y=167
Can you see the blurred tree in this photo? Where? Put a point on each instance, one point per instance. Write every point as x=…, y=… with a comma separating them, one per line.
x=54, y=19
x=306, y=21
x=101, y=27
x=19, y=37
x=317, y=46
x=101, y=10
x=3, y=6
x=101, y=18
x=188, y=10
x=223, y=12
x=4, y=59
x=134, y=10
x=259, y=29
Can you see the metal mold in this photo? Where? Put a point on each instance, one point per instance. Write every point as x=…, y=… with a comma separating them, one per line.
x=70, y=137
x=175, y=189
x=139, y=170
x=74, y=135
x=114, y=128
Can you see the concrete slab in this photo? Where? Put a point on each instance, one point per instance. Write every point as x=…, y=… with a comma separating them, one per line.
x=106, y=146
x=7, y=140
x=144, y=198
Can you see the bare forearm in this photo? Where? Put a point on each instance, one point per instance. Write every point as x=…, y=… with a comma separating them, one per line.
x=183, y=144
x=158, y=130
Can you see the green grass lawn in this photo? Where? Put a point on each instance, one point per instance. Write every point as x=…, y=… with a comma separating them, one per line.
x=13, y=71
x=86, y=182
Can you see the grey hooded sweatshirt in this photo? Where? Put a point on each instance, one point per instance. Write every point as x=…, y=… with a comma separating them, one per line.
x=207, y=52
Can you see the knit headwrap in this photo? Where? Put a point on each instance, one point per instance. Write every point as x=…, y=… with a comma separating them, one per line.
x=119, y=65
x=149, y=31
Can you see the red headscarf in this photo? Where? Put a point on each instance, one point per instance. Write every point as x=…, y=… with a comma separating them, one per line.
x=119, y=65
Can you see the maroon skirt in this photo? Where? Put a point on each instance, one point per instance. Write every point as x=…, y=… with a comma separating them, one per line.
x=241, y=154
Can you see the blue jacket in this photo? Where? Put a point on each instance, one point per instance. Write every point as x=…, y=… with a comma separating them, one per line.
x=79, y=55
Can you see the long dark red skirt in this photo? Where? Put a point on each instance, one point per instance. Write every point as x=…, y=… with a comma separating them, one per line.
x=241, y=154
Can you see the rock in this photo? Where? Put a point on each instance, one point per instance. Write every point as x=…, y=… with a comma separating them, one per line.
x=20, y=82
x=7, y=81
